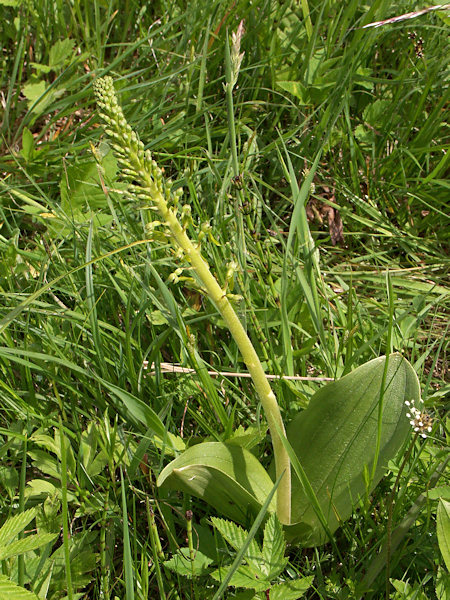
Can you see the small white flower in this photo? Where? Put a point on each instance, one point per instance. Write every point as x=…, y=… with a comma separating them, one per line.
x=420, y=421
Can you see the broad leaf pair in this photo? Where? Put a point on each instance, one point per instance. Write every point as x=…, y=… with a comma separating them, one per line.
x=342, y=443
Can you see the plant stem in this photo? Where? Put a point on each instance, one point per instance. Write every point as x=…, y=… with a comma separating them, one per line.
x=264, y=391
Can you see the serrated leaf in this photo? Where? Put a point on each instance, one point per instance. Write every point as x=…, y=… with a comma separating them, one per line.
x=94, y=462
x=39, y=96
x=440, y=491
x=183, y=565
x=335, y=441
x=31, y=542
x=47, y=442
x=15, y=525
x=33, y=91
x=60, y=52
x=82, y=562
x=247, y=438
x=443, y=530
x=363, y=135
x=236, y=537
x=45, y=462
x=291, y=590
x=227, y=477
x=243, y=577
x=12, y=591
x=274, y=548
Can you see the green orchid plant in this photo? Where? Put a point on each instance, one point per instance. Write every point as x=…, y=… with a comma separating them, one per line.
x=333, y=453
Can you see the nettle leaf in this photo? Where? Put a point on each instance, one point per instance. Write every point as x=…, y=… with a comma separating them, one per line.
x=46, y=463
x=335, y=440
x=15, y=525
x=243, y=577
x=274, y=548
x=227, y=477
x=247, y=438
x=39, y=95
x=183, y=565
x=61, y=52
x=236, y=537
x=443, y=530
x=291, y=590
x=31, y=542
x=11, y=591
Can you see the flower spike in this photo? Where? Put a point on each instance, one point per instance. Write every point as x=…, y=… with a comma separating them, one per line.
x=147, y=184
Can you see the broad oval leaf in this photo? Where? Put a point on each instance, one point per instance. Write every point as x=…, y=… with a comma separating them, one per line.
x=335, y=440
x=227, y=477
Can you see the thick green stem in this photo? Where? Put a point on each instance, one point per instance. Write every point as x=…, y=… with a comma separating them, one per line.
x=265, y=393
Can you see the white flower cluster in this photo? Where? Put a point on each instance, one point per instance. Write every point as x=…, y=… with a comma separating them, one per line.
x=421, y=421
